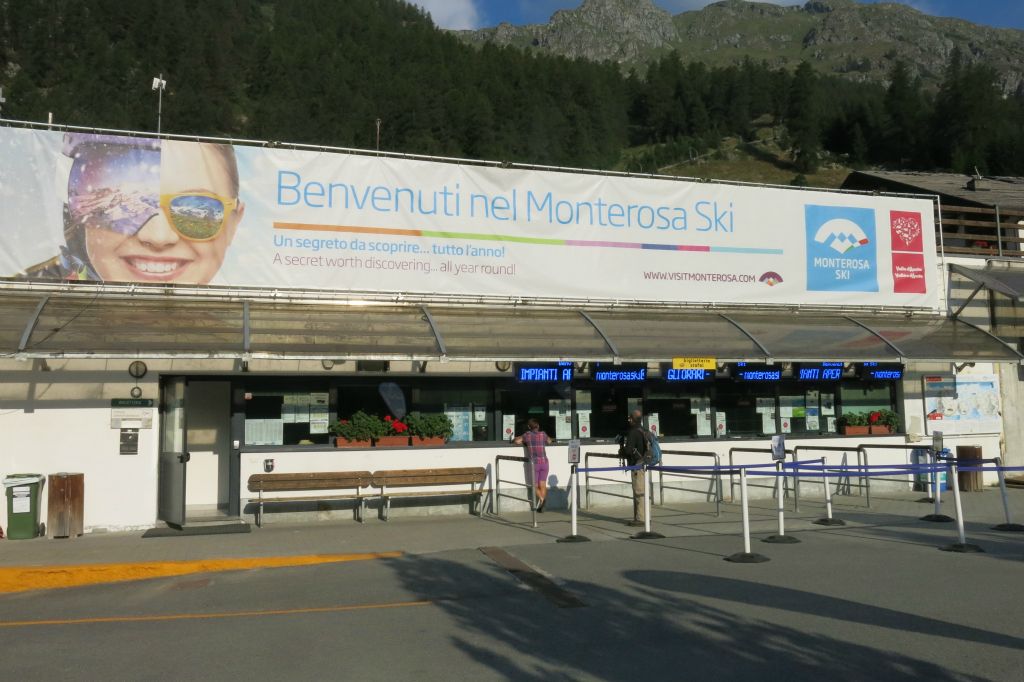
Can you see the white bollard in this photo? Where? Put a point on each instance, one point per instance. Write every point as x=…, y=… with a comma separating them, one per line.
x=1009, y=525
x=745, y=557
x=828, y=520
x=781, y=537
x=573, y=536
x=937, y=515
x=962, y=545
x=646, y=534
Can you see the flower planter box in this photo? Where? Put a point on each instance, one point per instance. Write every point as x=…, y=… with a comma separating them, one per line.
x=879, y=429
x=340, y=442
x=391, y=442
x=429, y=441
x=856, y=430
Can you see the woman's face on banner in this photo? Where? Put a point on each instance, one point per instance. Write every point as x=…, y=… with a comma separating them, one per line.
x=155, y=216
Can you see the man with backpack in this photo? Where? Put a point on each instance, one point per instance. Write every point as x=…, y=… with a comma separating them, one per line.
x=636, y=450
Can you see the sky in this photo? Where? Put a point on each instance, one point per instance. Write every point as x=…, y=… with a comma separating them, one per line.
x=460, y=14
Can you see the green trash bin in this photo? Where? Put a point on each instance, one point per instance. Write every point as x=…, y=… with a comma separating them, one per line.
x=23, y=505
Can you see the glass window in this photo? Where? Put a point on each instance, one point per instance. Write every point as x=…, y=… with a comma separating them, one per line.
x=750, y=408
x=675, y=409
x=287, y=413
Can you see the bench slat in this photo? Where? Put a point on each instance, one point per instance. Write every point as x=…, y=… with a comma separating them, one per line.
x=325, y=480
x=414, y=477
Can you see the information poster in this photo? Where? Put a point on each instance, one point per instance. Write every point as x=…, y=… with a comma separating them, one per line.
x=462, y=422
x=828, y=405
x=721, y=428
x=319, y=412
x=964, y=403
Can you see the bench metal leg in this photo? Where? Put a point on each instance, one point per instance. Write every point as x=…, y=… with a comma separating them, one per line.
x=259, y=512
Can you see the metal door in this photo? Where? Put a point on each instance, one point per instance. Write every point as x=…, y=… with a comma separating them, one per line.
x=173, y=452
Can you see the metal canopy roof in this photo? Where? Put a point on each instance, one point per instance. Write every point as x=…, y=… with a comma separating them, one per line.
x=66, y=325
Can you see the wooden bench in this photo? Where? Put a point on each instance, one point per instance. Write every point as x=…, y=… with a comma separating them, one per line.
x=305, y=482
x=410, y=478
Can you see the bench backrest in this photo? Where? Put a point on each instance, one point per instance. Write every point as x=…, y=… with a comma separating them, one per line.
x=323, y=480
x=397, y=478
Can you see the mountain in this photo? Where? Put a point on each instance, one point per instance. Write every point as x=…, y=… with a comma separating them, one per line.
x=859, y=42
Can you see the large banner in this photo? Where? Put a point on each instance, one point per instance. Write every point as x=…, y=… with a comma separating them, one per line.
x=125, y=209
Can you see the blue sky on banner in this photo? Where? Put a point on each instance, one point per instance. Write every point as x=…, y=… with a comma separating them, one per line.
x=458, y=14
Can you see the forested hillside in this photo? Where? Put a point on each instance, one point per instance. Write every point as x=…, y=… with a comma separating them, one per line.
x=324, y=71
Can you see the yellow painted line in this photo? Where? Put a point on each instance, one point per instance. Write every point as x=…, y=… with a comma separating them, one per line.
x=203, y=616
x=24, y=578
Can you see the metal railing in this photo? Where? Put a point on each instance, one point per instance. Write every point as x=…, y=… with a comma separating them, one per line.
x=762, y=451
x=842, y=483
x=531, y=489
x=714, y=477
x=587, y=477
x=863, y=460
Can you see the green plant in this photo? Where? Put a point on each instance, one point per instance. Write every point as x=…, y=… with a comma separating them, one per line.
x=885, y=418
x=854, y=419
x=430, y=425
x=360, y=426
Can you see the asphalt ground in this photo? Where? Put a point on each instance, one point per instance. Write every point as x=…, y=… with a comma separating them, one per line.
x=495, y=599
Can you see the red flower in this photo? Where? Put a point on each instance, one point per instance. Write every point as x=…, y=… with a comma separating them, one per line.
x=387, y=418
x=874, y=417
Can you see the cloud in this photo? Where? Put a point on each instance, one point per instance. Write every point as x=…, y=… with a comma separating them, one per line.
x=453, y=14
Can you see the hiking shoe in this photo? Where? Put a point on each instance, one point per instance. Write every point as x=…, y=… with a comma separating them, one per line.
x=634, y=523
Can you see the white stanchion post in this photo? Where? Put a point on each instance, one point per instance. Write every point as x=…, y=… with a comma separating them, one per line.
x=780, y=487
x=1009, y=525
x=828, y=520
x=956, y=502
x=745, y=557
x=781, y=537
x=746, y=511
x=647, y=534
x=573, y=482
x=572, y=501
x=937, y=515
x=962, y=545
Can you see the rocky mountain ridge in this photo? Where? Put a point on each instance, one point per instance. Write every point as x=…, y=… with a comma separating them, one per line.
x=859, y=42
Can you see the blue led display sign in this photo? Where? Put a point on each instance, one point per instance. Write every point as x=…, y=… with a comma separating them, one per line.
x=669, y=373
x=818, y=371
x=618, y=373
x=881, y=371
x=747, y=371
x=547, y=373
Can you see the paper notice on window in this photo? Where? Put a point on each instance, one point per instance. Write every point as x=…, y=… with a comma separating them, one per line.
x=288, y=410
x=318, y=426
x=508, y=426
x=830, y=424
x=698, y=405
x=704, y=423
x=563, y=426
x=813, y=422
x=764, y=405
x=721, y=429
x=787, y=425
x=768, y=422
x=584, y=418
x=828, y=405
x=654, y=423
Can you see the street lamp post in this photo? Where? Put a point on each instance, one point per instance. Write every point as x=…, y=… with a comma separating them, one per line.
x=378, y=134
x=159, y=84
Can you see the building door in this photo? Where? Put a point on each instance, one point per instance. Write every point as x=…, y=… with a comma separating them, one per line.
x=173, y=452
x=208, y=416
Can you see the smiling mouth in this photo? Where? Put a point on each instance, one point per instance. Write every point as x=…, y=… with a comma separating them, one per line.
x=157, y=268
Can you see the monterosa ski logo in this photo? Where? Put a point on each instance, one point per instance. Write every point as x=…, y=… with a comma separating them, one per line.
x=771, y=278
x=841, y=235
x=841, y=248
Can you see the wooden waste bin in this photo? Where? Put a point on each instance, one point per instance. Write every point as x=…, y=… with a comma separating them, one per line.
x=969, y=456
x=65, y=506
